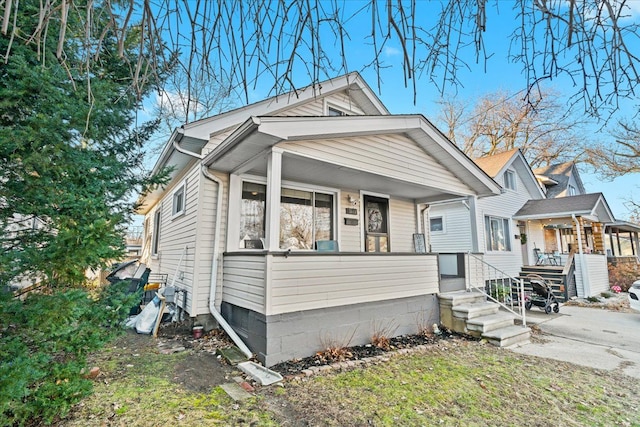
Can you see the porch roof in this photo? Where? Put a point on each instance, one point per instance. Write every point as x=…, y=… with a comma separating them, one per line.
x=591, y=206
x=246, y=149
x=624, y=226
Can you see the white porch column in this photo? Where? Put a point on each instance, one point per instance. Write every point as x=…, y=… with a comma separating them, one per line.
x=473, y=216
x=274, y=184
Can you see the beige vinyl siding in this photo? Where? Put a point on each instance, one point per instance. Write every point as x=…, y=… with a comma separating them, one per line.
x=206, y=236
x=176, y=233
x=311, y=282
x=217, y=139
x=456, y=236
x=316, y=107
x=350, y=235
x=597, y=274
x=402, y=225
x=504, y=205
x=312, y=108
x=244, y=281
x=394, y=156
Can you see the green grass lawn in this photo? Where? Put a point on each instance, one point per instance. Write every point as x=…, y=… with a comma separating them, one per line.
x=453, y=383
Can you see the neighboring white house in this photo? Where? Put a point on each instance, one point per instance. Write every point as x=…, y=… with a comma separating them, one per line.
x=542, y=218
x=488, y=226
x=299, y=219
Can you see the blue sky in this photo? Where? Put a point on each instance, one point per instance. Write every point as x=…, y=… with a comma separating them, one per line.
x=475, y=81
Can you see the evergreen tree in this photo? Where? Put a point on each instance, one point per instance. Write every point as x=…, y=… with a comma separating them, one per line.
x=70, y=147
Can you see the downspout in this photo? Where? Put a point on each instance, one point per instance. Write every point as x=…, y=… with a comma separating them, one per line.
x=585, y=279
x=216, y=243
x=214, y=269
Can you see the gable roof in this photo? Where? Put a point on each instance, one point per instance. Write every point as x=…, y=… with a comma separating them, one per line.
x=496, y=164
x=557, y=176
x=195, y=135
x=592, y=206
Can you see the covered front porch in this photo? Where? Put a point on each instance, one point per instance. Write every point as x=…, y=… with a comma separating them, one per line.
x=568, y=232
x=325, y=230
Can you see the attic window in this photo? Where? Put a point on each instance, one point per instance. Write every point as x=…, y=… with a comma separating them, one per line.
x=334, y=112
x=572, y=190
x=510, y=180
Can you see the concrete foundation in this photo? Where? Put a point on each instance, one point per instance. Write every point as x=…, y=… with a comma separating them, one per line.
x=300, y=334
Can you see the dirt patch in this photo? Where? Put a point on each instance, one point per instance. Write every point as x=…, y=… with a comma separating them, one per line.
x=202, y=371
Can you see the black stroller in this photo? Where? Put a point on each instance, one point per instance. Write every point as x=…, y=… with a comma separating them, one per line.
x=542, y=295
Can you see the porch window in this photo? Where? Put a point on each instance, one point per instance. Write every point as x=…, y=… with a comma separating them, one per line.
x=305, y=216
x=252, y=215
x=510, y=180
x=497, y=233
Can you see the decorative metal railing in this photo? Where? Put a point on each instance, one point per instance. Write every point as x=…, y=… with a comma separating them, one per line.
x=496, y=285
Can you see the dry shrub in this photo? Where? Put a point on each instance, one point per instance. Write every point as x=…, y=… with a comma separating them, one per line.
x=382, y=332
x=335, y=349
x=425, y=327
x=623, y=274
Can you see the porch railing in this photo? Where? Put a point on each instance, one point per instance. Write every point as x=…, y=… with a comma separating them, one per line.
x=497, y=286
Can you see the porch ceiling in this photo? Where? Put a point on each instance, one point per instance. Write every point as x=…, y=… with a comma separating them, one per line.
x=302, y=169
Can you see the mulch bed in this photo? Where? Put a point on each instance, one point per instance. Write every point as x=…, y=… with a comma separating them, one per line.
x=329, y=356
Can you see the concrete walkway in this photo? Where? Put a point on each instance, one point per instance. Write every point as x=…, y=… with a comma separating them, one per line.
x=592, y=337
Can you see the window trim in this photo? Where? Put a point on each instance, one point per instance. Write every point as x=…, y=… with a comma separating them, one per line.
x=234, y=245
x=182, y=188
x=515, y=181
x=444, y=229
x=507, y=234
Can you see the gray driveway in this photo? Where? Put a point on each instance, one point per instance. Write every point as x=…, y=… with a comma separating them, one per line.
x=592, y=337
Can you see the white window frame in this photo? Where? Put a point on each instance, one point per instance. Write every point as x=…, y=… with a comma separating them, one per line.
x=182, y=188
x=236, y=181
x=155, y=239
x=571, y=190
x=514, y=181
x=331, y=105
x=441, y=217
x=507, y=234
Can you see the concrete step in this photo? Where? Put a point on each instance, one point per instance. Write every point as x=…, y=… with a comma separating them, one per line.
x=473, y=310
x=508, y=336
x=481, y=325
x=452, y=299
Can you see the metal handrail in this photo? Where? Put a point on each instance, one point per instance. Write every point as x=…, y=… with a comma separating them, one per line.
x=504, y=276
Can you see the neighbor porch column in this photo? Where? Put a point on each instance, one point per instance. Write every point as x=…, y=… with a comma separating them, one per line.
x=473, y=214
x=274, y=183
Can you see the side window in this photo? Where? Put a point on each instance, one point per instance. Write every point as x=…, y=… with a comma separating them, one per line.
x=436, y=224
x=497, y=233
x=155, y=245
x=179, y=200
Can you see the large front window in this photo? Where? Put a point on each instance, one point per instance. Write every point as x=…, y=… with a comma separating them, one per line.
x=497, y=233
x=305, y=217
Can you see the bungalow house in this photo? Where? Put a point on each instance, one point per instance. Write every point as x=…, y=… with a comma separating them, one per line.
x=298, y=222
x=535, y=226
x=621, y=237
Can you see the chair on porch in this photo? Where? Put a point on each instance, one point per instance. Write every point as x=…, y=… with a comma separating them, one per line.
x=541, y=258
